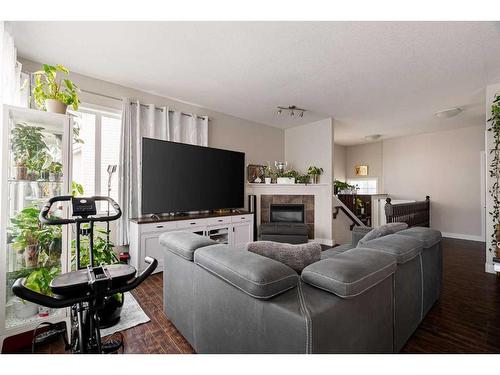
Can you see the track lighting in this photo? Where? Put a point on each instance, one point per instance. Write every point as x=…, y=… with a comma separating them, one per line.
x=292, y=109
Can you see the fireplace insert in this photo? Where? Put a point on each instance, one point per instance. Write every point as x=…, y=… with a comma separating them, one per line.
x=287, y=213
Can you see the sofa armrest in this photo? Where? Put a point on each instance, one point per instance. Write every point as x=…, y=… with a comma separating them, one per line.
x=255, y=275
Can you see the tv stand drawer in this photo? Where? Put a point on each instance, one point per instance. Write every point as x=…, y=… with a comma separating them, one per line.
x=241, y=218
x=183, y=224
x=218, y=220
x=158, y=227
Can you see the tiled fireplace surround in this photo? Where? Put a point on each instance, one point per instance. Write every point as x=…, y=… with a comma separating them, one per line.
x=306, y=200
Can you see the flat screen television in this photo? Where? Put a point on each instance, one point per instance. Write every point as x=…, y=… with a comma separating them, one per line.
x=178, y=177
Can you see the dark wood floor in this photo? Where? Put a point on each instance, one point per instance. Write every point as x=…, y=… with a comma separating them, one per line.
x=466, y=319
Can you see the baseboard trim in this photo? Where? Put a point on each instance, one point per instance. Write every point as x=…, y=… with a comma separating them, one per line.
x=488, y=267
x=460, y=236
x=323, y=241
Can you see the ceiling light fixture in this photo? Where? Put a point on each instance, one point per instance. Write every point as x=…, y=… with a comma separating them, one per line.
x=447, y=113
x=373, y=137
x=292, y=109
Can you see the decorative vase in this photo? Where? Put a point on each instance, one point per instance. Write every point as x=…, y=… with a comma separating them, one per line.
x=21, y=172
x=56, y=176
x=267, y=180
x=315, y=178
x=31, y=256
x=285, y=180
x=55, y=106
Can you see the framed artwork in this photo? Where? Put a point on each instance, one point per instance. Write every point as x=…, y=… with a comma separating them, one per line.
x=255, y=173
x=361, y=170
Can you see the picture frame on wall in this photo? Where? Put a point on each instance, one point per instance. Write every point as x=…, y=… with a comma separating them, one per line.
x=361, y=170
x=255, y=173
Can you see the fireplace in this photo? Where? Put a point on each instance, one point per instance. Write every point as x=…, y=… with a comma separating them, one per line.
x=291, y=203
x=287, y=213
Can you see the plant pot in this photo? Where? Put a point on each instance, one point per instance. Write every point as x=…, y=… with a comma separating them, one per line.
x=285, y=180
x=267, y=180
x=45, y=175
x=31, y=256
x=109, y=315
x=24, y=309
x=56, y=176
x=315, y=178
x=55, y=106
x=21, y=172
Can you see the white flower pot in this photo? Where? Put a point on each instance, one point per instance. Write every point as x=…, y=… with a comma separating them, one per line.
x=55, y=106
x=267, y=180
x=285, y=180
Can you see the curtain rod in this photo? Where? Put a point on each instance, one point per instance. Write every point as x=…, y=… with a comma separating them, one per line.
x=142, y=105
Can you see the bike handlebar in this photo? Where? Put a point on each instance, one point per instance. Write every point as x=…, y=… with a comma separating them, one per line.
x=20, y=290
x=44, y=219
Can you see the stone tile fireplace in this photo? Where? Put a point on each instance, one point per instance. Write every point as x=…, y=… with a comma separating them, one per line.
x=291, y=208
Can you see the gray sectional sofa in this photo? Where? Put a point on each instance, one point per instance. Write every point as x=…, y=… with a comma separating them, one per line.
x=367, y=299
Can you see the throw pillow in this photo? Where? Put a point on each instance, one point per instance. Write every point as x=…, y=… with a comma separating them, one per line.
x=296, y=257
x=371, y=235
x=394, y=227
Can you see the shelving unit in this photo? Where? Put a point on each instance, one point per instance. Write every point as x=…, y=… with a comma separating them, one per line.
x=21, y=197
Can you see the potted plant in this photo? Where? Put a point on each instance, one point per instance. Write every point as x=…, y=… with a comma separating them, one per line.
x=52, y=93
x=315, y=172
x=303, y=179
x=342, y=187
x=28, y=149
x=268, y=174
x=32, y=238
x=287, y=177
x=55, y=171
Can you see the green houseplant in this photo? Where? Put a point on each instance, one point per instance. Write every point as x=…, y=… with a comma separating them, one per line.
x=52, y=93
x=494, y=173
x=315, y=172
x=28, y=150
x=36, y=241
x=339, y=186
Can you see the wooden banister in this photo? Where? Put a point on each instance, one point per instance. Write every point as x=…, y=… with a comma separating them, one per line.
x=415, y=214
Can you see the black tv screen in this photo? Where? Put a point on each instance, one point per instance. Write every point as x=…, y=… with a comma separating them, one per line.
x=177, y=177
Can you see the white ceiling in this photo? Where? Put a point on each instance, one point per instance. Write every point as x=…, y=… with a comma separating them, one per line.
x=373, y=77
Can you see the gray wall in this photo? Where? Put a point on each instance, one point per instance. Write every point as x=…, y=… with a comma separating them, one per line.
x=261, y=143
x=445, y=165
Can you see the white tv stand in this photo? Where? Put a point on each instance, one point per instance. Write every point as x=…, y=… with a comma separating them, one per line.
x=233, y=228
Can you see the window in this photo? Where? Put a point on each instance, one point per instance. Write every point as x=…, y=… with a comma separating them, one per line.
x=365, y=185
x=100, y=133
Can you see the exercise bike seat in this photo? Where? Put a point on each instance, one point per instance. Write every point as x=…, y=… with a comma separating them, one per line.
x=77, y=282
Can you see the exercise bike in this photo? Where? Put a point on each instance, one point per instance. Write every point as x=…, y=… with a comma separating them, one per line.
x=85, y=289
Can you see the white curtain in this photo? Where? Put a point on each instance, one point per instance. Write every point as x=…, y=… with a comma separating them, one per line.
x=10, y=69
x=148, y=121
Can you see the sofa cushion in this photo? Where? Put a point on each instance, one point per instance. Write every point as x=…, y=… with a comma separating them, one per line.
x=381, y=231
x=295, y=256
x=428, y=236
x=336, y=250
x=350, y=273
x=256, y=275
x=403, y=248
x=184, y=243
x=284, y=228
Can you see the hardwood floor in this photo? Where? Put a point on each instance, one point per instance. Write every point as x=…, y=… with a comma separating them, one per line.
x=466, y=319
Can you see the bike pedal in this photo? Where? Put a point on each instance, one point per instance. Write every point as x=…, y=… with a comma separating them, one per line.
x=111, y=346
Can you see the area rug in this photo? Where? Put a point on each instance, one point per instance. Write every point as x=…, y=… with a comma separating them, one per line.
x=132, y=315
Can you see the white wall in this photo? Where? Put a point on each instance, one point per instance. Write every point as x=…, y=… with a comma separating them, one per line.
x=339, y=162
x=444, y=165
x=260, y=143
x=369, y=154
x=311, y=145
x=490, y=252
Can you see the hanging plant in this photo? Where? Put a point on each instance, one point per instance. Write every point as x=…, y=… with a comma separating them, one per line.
x=494, y=189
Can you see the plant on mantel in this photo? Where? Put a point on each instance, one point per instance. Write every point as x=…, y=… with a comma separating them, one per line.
x=494, y=189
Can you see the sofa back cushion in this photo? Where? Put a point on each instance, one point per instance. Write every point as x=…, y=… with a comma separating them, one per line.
x=184, y=243
x=294, y=256
x=255, y=275
x=403, y=248
x=428, y=236
x=350, y=273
